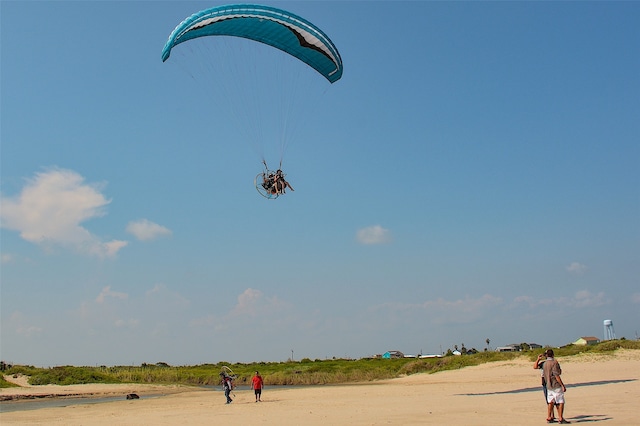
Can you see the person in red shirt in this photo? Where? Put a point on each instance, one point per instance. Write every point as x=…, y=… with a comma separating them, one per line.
x=257, y=385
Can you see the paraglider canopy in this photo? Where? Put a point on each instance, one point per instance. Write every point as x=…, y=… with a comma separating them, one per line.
x=269, y=25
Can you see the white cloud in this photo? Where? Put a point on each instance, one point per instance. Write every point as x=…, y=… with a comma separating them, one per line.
x=581, y=299
x=162, y=296
x=106, y=292
x=129, y=323
x=442, y=311
x=108, y=249
x=467, y=304
x=28, y=331
x=50, y=209
x=532, y=302
x=586, y=299
x=145, y=230
x=253, y=303
x=117, y=310
x=248, y=301
x=7, y=258
x=21, y=326
x=576, y=268
x=373, y=235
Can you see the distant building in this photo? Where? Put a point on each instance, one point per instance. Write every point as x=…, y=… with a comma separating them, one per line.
x=392, y=354
x=590, y=340
x=534, y=346
x=508, y=348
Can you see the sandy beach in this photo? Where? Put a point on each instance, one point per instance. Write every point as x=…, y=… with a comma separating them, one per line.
x=600, y=388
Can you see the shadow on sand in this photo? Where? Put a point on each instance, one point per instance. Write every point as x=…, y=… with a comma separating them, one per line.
x=589, y=418
x=586, y=418
x=539, y=388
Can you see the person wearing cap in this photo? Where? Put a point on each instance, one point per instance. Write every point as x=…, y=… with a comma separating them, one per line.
x=555, y=388
x=227, y=385
x=538, y=366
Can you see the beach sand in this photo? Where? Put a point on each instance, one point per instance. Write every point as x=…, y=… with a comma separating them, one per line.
x=600, y=388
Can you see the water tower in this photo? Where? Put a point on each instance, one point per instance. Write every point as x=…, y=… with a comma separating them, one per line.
x=609, y=333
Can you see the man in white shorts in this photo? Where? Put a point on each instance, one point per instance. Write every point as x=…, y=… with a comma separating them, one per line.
x=555, y=388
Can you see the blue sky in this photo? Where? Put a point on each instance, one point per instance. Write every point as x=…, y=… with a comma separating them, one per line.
x=475, y=174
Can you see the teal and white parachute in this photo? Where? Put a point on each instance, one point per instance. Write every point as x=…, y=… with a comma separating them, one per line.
x=269, y=25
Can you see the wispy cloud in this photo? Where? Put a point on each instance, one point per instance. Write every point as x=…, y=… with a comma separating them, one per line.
x=576, y=268
x=457, y=306
x=108, y=293
x=581, y=299
x=373, y=235
x=161, y=295
x=145, y=230
x=469, y=309
x=128, y=323
x=23, y=326
x=586, y=299
x=251, y=304
x=116, y=310
x=442, y=311
x=51, y=208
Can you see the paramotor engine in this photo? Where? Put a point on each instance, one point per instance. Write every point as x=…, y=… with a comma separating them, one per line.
x=271, y=184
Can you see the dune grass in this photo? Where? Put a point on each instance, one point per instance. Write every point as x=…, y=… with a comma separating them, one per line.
x=304, y=372
x=5, y=384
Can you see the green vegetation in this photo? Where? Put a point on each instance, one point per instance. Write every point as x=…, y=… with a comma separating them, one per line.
x=62, y=375
x=5, y=384
x=304, y=372
x=601, y=348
